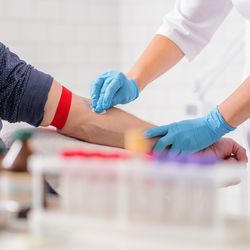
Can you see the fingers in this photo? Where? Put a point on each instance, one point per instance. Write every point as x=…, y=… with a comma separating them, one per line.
x=95, y=91
x=240, y=153
x=165, y=140
x=229, y=150
x=112, y=88
x=110, y=92
x=99, y=107
x=155, y=132
x=175, y=151
x=162, y=144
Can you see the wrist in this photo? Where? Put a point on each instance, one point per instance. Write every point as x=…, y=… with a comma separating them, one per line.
x=231, y=115
x=135, y=77
x=217, y=123
x=135, y=87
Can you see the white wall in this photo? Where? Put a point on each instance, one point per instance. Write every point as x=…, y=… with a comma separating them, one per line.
x=76, y=40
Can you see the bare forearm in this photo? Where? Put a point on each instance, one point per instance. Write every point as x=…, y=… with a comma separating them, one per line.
x=161, y=55
x=108, y=129
x=236, y=108
x=52, y=103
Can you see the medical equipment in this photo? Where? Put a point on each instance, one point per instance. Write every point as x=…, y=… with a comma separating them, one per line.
x=19, y=152
x=63, y=109
x=138, y=204
x=135, y=142
x=102, y=113
x=8, y=212
x=15, y=182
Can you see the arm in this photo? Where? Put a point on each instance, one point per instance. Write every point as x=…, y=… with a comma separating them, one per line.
x=160, y=56
x=23, y=89
x=31, y=96
x=236, y=108
x=107, y=129
x=185, y=31
x=110, y=128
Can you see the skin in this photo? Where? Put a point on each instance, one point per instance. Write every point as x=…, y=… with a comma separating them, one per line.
x=109, y=129
x=236, y=108
x=162, y=54
x=228, y=150
x=83, y=124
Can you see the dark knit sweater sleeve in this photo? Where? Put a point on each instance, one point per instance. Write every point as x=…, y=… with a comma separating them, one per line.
x=23, y=89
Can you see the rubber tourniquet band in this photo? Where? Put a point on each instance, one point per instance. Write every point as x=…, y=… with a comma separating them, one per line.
x=63, y=108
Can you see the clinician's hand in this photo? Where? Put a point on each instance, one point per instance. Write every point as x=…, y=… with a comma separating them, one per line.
x=110, y=89
x=191, y=135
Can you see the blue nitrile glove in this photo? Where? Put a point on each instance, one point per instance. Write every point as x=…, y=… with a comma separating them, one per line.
x=191, y=135
x=110, y=89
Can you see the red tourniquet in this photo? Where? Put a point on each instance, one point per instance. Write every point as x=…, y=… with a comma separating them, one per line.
x=63, y=108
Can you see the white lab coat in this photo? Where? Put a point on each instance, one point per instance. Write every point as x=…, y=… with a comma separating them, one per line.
x=192, y=23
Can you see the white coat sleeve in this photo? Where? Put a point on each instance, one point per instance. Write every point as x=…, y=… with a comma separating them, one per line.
x=192, y=23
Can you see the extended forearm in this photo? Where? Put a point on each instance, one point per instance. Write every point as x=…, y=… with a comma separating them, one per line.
x=108, y=129
x=161, y=55
x=236, y=108
x=83, y=124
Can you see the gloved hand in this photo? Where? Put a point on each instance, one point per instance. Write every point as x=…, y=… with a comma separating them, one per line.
x=191, y=135
x=112, y=88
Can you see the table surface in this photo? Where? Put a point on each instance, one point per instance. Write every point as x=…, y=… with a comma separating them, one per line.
x=17, y=237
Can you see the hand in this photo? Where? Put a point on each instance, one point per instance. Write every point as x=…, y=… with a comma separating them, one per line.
x=226, y=149
x=190, y=136
x=112, y=88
